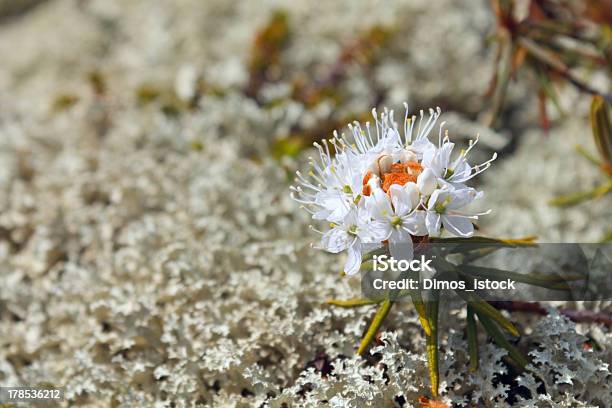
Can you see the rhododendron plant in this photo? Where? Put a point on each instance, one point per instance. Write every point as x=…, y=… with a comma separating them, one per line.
x=389, y=187
x=391, y=190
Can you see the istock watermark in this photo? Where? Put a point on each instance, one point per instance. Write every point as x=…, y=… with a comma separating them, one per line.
x=495, y=272
x=384, y=263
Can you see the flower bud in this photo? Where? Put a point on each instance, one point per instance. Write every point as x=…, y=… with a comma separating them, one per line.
x=373, y=168
x=408, y=156
x=384, y=162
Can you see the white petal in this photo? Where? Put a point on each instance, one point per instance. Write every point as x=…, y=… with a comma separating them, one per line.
x=432, y=222
x=400, y=199
x=406, y=156
x=459, y=226
x=350, y=218
x=353, y=261
x=399, y=235
x=379, y=204
x=438, y=159
x=413, y=194
x=423, y=148
x=462, y=171
x=434, y=199
x=429, y=156
x=427, y=182
x=339, y=213
x=415, y=223
x=336, y=240
x=335, y=202
x=321, y=214
x=380, y=231
x=444, y=154
x=374, y=182
x=462, y=197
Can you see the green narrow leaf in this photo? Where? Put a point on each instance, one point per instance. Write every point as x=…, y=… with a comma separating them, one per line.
x=602, y=128
x=432, y=343
x=583, y=152
x=353, y=302
x=503, y=73
x=480, y=306
x=554, y=282
x=549, y=90
x=419, y=306
x=380, y=315
x=525, y=241
x=544, y=55
x=471, y=256
x=472, y=339
x=417, y=302
x=577, y=198
x=366, y=266
x=501, y=341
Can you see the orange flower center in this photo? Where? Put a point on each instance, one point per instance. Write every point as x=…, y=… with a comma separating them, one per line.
x=399, y=173
x=397, y=178
x=366, y=190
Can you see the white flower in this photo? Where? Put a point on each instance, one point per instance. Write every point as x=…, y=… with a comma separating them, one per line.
x=338, y=186
x=355, y=230
x=443, y=210
x=455, y=172
x=386, y=187
x=427, y=182
x=396, y=218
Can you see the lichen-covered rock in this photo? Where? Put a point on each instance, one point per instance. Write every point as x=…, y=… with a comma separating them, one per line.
x=150, y=254
x=566, y=376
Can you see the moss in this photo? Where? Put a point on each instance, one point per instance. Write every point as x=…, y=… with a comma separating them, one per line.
x=145, y=94
x=64, y=102
x=289, y=146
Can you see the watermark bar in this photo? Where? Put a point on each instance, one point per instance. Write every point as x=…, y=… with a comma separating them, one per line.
x=31, y=395
x=491, y=271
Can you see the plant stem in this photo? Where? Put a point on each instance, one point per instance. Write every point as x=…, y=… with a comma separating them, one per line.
x=578, y=316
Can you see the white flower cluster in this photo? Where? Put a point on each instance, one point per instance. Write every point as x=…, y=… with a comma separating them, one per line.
x=383, y=187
